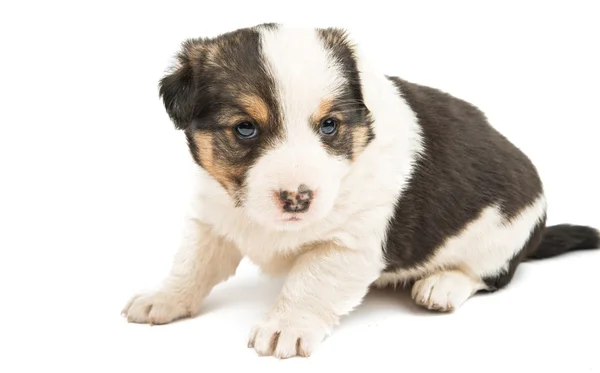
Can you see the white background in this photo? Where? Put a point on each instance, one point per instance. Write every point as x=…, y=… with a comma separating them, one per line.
x=94, y=181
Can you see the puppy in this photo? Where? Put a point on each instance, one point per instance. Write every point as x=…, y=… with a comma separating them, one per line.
x=314, y=164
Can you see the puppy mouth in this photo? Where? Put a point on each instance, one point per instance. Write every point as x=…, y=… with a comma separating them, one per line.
x=292, y=218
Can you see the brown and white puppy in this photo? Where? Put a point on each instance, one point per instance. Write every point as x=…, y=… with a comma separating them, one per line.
x=315, y=164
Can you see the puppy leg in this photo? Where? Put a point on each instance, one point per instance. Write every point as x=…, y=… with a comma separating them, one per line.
x=445, y=291
x=324, y=284
x=202, y=261
x=484, y=256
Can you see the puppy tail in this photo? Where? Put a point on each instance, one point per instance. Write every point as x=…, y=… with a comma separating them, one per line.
x=559, y=239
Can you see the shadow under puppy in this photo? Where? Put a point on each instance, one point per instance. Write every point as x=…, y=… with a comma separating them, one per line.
x=315, y=164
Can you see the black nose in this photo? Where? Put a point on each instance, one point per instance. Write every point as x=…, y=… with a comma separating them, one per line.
x=296, y=201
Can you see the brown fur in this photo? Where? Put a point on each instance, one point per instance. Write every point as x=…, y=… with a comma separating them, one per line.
x=352, y=137
x=224, y=173
x=360, y=140
x=333, y=37
x=323, y=111
x=194, y=52
x=256, y=108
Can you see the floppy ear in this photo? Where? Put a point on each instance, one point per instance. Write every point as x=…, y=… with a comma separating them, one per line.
x=177, y=89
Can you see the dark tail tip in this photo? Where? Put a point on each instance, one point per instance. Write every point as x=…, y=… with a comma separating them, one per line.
x=559, y=239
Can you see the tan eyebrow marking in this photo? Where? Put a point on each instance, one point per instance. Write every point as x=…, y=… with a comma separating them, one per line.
x=256, y=107
x=324, y=108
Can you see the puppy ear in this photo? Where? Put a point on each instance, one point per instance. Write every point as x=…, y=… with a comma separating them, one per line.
x=178, y=88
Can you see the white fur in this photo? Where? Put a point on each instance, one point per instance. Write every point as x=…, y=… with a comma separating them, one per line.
x=335, y=252
x=303, y=77
x=483, y=248
x=445, y=290
x=193, y=275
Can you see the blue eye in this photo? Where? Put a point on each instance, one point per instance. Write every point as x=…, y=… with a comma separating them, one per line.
x=246, y=130
x=328, y=126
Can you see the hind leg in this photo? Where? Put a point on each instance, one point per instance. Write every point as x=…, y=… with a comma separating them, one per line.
x=446, y=290
x=483, y=257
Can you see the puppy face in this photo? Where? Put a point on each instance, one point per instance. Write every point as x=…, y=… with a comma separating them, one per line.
x=275, y=115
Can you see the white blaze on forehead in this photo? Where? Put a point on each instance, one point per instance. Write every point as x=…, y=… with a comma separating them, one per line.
x=304, y=74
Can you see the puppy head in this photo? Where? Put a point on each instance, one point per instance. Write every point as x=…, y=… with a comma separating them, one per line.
x=274, y=114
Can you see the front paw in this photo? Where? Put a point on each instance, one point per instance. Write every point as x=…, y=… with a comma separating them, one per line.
x=159, y=307
x=285, y=337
